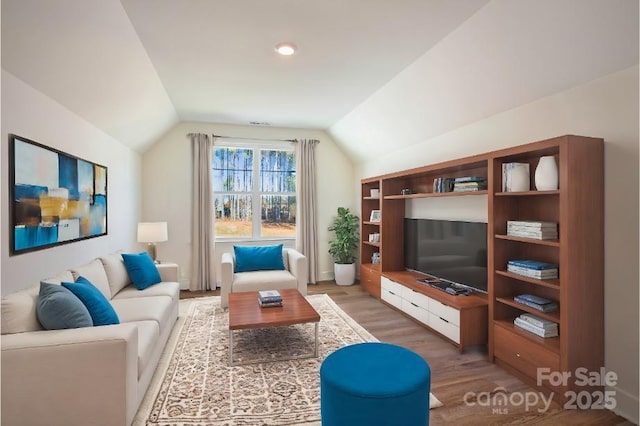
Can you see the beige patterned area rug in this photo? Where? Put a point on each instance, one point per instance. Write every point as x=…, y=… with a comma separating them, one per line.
x=194, y=384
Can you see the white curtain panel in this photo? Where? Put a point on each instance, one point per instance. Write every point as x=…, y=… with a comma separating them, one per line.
x=202, y=223
x=307, y=210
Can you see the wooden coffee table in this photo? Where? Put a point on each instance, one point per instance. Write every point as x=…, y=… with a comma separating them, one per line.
x=246, y=313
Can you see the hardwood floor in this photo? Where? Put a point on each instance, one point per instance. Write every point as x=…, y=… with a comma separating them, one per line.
x=454, y=375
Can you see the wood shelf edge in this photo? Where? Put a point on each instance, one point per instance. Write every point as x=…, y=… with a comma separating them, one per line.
x=551, y=316
x=373, y=267
x=551, y=243
x=554, y=284
x=371, y=244
x=435, y=194
x=551, y=343
x=526, y=193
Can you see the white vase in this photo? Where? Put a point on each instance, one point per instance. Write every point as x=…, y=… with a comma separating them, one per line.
x=546, y=176
x=345, y=274
x=519, y=176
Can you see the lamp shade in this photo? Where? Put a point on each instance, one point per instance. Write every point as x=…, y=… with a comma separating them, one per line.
x=152, y=232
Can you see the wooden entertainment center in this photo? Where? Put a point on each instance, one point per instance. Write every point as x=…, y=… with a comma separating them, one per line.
x=578, y=208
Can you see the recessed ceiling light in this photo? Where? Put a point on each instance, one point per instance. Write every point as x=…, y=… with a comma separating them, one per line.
x=286, y=48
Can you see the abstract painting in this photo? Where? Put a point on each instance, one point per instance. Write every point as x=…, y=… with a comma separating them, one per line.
x=55, y=198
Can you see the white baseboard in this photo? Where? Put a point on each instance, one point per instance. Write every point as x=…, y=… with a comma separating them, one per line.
x=626, y=405
x=184, y=284
x=325, y=276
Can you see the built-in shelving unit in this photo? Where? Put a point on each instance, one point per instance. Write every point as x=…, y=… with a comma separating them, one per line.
x=576, y=206
x=369, y=272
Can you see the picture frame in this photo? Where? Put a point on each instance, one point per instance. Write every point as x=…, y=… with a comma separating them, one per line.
x=54, y=197
x=375, y=216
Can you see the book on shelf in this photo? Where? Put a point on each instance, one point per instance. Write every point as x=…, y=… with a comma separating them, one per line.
x=541, y=332
x=532, y=224
x=532, y=230
x=470, y=179
x=269, y=296
x=469, y=186
x=532, y=264
x=533, y=235
x=535, y=302
x=455, y=189
x=443, y=184
x=269, y=304
x=533, y=298
x=538, y=322
x=509, y=183
x=548, y=274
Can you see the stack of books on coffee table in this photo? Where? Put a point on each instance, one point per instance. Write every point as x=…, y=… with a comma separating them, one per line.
x=538, y=326
x=269, y=298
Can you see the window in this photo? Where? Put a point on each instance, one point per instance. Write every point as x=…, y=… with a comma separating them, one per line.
x=254, y=191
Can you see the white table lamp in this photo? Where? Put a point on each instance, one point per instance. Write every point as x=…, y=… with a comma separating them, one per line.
x=152, y=233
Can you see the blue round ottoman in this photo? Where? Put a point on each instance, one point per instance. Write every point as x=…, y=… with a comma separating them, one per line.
x=374, y=384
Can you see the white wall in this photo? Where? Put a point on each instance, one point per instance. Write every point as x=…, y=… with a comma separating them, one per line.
x=607, y=108
x=167, y=188
x=29, y=113
x=507, y=54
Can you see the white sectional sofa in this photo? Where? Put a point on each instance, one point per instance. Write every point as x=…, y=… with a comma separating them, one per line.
x=85, y=376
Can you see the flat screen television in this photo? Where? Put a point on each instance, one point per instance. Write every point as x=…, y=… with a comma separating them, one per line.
x=452, y=251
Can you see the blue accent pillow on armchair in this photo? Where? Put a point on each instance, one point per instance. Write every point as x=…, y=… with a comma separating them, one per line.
x=101, y=311
x=58, y=308
x=141, y=269
x=258, y=258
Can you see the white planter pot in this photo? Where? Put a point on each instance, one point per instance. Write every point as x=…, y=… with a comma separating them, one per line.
x=546, y=176
x=345, y=274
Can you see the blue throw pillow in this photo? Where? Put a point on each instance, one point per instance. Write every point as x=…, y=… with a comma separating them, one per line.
x=99, y=308
x=58, y=308
x=260, y=258
x=141, y=269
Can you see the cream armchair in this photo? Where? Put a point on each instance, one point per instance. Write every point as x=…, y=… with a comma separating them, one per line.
x=293, y=276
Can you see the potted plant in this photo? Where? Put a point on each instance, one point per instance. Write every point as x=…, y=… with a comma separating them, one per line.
x=343, y=248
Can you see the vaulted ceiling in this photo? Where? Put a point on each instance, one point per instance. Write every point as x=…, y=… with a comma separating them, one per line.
x=135, y=68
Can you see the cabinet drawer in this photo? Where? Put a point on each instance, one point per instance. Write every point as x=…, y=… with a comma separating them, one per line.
x=447, y=312
x=391, y=286
x=391, y=297
x=370, y=281
x=370, y=277
x=442, y=326
x=415, y=311
x=391, y=292
x=416, y=298
x=522, y=354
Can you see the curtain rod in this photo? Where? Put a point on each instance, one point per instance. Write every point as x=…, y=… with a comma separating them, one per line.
x=260, y=139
